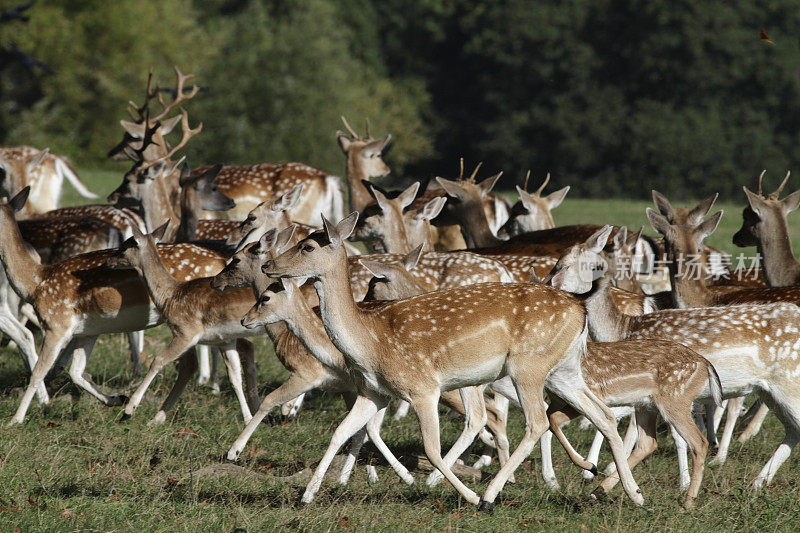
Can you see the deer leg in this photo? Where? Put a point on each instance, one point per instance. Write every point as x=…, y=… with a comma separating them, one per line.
x=594, y=455
x=234, y=365
x=176, y=347
x=788, y=412
x=363, y=410
x=559, y=414
x=136, y=344
x=54, y=342
x=426, y=408
x=646, y=445
x=290, y=409
x=754, y=426
x=548, y=472
x=474, y=421
x=356, y=442
x=215, y=355
x=247, y=353
x=402, y=410
x=187, y=366
x=679, y=416
x=535, y=425
x=23, y=338
x=683, y=460
x=82, y=348
x=631, y=436
x=204, y=364
x=290, y=389
x=734, y=410
x=373, y=430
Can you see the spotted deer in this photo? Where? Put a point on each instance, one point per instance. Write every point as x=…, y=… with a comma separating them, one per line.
x=195, y=314
x=77, y=300
x=765, y=226
x=56, y=239
x=326, y=368
x=21, y=166
x=753, y=347
x=656, y=377
x=416, y=347
x=383, y=220
x=532, y=211
x=364, y=161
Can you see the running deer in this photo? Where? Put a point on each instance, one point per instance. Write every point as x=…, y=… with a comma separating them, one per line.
x=655, y=377
x=753, y=347
x=765, y=226
x=77, y=300
x=532, y=211
x=21, y=166
x=416, y=347
x=195, y=314
x=326, y=368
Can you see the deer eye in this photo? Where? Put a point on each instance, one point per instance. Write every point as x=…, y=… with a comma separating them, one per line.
x=308, y=248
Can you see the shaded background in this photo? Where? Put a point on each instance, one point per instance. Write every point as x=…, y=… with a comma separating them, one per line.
x=614, y=97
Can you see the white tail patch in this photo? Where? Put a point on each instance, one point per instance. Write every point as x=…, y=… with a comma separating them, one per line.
x=65, y=171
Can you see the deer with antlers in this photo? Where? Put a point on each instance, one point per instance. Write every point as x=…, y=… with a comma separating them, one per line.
x=44, y=172
x=754, y=347
x=532, y=211
x=417, y=347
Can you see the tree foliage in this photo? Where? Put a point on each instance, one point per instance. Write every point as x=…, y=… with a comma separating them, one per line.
x=614, y=97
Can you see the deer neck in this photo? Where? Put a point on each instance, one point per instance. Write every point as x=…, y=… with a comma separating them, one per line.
x=476, y=231
x=160, y=284
x=24, y=273
x=358, y=195
x=341, y=317
x=187, y=229
x=606, y=322
x=688, y=288
x=157, y=208
x=308, y=327
x=781, y=269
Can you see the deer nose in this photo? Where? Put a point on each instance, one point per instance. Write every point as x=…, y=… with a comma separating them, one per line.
x=267, y=265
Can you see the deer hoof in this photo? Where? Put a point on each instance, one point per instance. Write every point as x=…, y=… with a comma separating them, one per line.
x=485, y=506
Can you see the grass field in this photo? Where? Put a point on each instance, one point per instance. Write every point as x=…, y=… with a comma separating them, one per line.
x=73, y=466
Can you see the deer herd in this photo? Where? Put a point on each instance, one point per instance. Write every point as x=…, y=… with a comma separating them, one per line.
x=463, y=300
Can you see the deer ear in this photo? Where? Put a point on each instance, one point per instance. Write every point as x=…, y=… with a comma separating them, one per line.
x=133, y=129
x=432, y=209
x=288, y=285
x=407, y=197
x=380, y=198
x=755, y=201
x=344, y=141
x=168, y=125
x=289, y=199
x=36, y=160
x=555, y=198
x=19, y=199
x=658, y=222
x=598, y=240
x=411, y=259
x=707, y=227
x=488, y=184
x=331, y=232
x=451, y=187
x=346, y=226
x=663, y=205
x=376, y=268
x=698, y=213
x=791, y=202
x=159, y=232
x=377, y=146
x=265, y=243
x=525, y=199
x=284, y=236
x=620, y=238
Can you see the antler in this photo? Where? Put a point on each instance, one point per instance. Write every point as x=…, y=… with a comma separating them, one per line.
x=460, y=168
x=527, y=176
x=760, y=179
x=475, y=172
x=180, y=95
x=188, y=133
x=540, y=189
x=352, y=132
x=780, y=187
x=149, y=94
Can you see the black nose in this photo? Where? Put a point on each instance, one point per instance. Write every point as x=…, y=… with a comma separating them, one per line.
x=268, y=265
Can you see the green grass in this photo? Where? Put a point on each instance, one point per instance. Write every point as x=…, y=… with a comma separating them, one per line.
x=73, y=466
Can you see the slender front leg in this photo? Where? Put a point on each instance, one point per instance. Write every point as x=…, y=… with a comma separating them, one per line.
x=734, y=410
x=82, y=348
x=187, y=366
x=22, y=337
x=363, y=409
x=234, y=365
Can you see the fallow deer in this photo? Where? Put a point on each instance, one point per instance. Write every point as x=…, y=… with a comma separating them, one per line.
x=754, y=347
x=417, y=347
x=383, y=221
x=532, y=211
x=77, y=299
x=364, y=157
x=195, y=314
x=44, y=172
x=765, y=226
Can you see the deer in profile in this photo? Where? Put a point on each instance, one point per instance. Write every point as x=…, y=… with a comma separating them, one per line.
x=532, y=211
x=753, y=347
x=416, y=347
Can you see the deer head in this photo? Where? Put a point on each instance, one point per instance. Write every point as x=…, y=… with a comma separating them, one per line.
x=317, y=255
x=275, y=304
x=265, y=216
x=465, y=207
x=418, y=223
x=134, y=251
x=579, y=266
x=624, y=261
x=202, y=192
x=364, y=153
x=532, y=211
x=383, y=220
x=393, y=281
x=683, y=242
x=764, y=218
x=244, y=267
